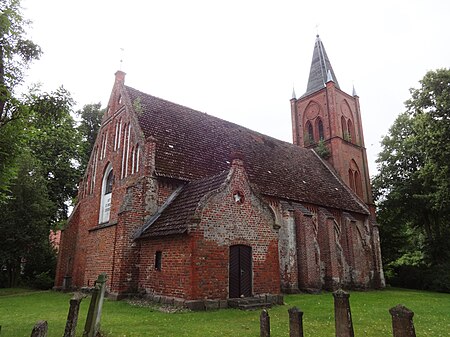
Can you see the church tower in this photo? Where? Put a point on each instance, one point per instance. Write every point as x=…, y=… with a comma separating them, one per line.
x=328, y=120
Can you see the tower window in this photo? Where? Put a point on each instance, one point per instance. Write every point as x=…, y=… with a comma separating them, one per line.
x=344, y=128
x=320, y=129
x=309, y=134
x=351, y=131
x=354, y=178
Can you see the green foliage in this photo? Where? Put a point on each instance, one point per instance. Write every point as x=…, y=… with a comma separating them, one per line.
x=322, y=150
x=91, y=119
x=16, y=53
x=53, y=139
x=412, y=188
x=43, y=281
x=38, y=198
x=347, y=137
x=25, y=219
x=119, y=318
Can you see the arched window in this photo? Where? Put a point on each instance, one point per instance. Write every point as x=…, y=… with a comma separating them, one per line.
x=358, y=184
x=105, y=199
x=351, y=131
x=351, y=179
x=344, y=128
x=133, y=157
x=138, y=153
x=320, y=129
x=354, y=178
x=309, y=133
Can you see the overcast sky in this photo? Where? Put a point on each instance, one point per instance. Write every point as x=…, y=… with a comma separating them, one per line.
x=239, y=60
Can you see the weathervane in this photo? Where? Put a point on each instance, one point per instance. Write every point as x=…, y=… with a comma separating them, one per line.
x=121, y=58
x=317, y=30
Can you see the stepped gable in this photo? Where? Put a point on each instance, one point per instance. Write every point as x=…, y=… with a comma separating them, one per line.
x=191, y=145
x=176, y=218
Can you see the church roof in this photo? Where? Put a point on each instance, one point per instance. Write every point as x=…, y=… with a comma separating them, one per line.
x=320, y=66
x=192, y=145
x=177, y=216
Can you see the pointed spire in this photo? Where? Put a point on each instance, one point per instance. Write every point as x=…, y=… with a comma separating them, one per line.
x=354, y=92
x=320, y=66
x=293, y=93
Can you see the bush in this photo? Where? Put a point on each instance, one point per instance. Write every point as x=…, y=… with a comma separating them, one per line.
x=421, y=277
x=43, y=281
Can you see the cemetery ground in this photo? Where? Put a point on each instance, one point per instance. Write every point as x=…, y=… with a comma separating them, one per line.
x=20, y=309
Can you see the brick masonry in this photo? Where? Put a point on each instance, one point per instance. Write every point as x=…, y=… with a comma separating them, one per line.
x=295, y=245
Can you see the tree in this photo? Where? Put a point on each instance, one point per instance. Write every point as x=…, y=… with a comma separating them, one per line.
x=412, y=188
x=25, y=219
x=91, y=118
x=39, y=198
x=16, y=53
x=53, y=140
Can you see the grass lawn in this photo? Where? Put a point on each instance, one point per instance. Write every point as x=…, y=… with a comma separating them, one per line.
x=20, y=309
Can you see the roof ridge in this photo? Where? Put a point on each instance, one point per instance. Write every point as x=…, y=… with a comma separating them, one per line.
x=214, y=117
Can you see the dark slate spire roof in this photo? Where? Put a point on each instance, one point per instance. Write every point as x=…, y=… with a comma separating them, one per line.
x=320, y=65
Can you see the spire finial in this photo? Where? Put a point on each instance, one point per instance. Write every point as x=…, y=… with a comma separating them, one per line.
x=354, y=91
x=317, y=30
x=121, y=58
x=294, y=96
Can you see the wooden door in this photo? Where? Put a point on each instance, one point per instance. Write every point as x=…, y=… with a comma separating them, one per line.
x=240, y=274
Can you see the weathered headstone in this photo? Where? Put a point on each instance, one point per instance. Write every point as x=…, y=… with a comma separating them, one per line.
x=92, y=326
x=402, y=321
x=295, y=322
x=342, y=314
x=40, y=329
x=72, y=316
x=264, y=324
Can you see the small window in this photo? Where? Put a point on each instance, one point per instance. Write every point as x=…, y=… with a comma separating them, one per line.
x=158, y=260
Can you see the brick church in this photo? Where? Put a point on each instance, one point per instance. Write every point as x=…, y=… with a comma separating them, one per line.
x=180, y=204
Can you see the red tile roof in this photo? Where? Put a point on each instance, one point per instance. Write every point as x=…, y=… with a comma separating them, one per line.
x=176, y=218
x=192, y=145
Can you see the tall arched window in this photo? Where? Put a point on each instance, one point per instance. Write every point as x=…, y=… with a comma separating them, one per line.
x=133, y=158
x=138, y=153
x=105, y=199
x=344, y=128
x=354, y=178
x=351, y=131
x=309, y=133
x=358, y=184
x=320, y=129
x=351, y=179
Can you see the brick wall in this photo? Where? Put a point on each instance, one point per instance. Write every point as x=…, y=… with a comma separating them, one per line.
x=225, y=222
x=174, y=278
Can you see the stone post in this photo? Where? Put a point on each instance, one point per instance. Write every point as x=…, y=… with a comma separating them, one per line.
x=342, y=314
x=264, y=324
x=40, y=329
x=72, y=316
x=295, y=322
x=92, y=325
x=402, y=322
